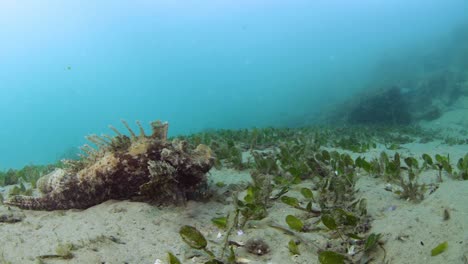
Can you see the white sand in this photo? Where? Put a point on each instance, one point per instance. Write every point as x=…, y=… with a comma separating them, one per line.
x=133, y=232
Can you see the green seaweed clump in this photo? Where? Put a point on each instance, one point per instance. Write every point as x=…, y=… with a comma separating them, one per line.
x=443, y=164
x=29, y=173
x=331, y=257
x=195, y=239
x=394, y=171
x=410, y=189
x=20, y=190
x=172, y=259
x=462, y=165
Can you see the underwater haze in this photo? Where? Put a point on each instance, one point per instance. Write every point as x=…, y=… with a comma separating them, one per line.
x=70, y=68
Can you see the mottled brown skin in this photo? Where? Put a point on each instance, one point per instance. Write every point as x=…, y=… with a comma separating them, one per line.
x=151, y=168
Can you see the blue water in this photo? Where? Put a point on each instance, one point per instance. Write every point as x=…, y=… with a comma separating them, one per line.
x=70, y=68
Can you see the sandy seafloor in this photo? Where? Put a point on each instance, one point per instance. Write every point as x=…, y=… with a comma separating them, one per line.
x=134, y=232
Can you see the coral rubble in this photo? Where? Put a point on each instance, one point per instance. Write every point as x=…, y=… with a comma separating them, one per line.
x=151, y=168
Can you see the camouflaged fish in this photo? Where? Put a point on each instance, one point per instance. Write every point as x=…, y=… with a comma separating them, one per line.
x=150, y=168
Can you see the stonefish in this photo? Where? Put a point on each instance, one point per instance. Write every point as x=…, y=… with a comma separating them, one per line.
x=148, y=167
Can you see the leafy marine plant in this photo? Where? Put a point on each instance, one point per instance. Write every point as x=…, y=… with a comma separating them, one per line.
x=257, y=198
x=250, y=207
x=20, y=189
x=462, y=165
x=9, y=177
x=32, y=173
x=295, y=223
x=353, y=144
x=27, y=174
x=172, y=259
x=405, y=175
x=455, y=141
x=344, y=216
x=226, y=151
x=195, y=239
x=235, y=158
x=294, y=202
x=428, y=163
x=293, y=247
x=331, y=198
x=265, y=163
x=393, y=168
x=410, y=188
x=220, y=222
x=253, y=206
x=439, y=249
x=291, y=159
x=364, y=164
x=443, y=164
x=331, y=257
x=383, y=166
